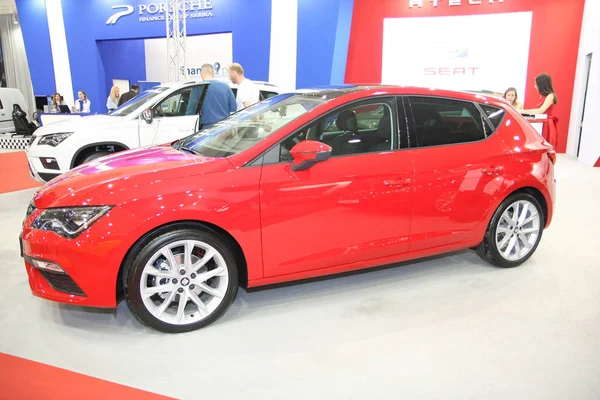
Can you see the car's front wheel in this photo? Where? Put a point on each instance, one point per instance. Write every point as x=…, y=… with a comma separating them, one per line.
x=514, y=232
x=181, y=281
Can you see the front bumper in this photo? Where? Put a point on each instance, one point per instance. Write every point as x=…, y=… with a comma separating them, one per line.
x=91, y=267
x=37, y=169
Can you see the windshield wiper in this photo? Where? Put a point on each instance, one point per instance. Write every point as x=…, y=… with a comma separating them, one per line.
x=189, y=150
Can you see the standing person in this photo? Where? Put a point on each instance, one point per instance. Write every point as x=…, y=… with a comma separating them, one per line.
x=511, y=96
x=247, y=92
x=135, y=89
x=545, y=105
x=82, y=104
x=113, y=99
x=219, y=101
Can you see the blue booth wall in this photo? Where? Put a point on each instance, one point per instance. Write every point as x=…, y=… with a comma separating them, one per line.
x=122, y=59
x=323, y=27
x=34, y=25
x=102, y=47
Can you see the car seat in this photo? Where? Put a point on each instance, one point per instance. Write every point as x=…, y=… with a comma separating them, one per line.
x=22, y=126
x=348, y=142
x=430, y=125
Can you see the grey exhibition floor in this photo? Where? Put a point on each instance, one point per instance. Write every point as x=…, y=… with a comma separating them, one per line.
x=446, y=328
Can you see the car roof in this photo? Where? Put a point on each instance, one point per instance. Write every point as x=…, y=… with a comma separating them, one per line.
x=199, y=81
x=335, y=91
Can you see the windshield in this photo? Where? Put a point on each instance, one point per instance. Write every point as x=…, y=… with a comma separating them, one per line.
x=245, y=128
x=137, y=101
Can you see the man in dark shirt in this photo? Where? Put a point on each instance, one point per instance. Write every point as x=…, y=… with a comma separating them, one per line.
x=129, y=95
x=219, y=101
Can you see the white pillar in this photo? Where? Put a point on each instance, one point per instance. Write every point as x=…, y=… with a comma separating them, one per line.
x=60, y=52
x=284, y=43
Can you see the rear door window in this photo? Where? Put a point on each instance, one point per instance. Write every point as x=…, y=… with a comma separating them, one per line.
x=446, y=121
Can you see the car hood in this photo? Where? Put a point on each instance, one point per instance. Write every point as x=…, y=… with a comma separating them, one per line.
x=112, y=180
x=74, y=124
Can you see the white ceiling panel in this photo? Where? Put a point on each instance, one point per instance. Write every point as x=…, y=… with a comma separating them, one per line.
x=8, y=7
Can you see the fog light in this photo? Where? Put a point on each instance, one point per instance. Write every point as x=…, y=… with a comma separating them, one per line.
x=49, y=163
x=47, y=266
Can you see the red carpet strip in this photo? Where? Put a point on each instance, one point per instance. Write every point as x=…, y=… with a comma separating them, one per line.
x=25, y=379
x=14, y=172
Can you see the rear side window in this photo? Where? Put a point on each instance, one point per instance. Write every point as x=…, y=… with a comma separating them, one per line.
x=494, y=114
x=445, y=121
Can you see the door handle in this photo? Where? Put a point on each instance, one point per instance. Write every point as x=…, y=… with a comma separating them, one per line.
x=397, y=182
x=494, y=169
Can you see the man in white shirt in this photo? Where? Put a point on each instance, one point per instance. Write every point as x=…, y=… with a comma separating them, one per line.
x=247, y=92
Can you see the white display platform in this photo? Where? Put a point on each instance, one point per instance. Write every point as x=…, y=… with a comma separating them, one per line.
x=537, y=122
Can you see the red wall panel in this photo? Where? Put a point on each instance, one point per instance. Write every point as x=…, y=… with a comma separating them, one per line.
x=554, y=43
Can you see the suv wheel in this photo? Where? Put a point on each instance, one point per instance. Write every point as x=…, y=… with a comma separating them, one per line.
x=94, y=156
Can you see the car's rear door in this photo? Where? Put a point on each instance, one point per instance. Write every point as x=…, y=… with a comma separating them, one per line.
x=459, y=165
x=356, y=206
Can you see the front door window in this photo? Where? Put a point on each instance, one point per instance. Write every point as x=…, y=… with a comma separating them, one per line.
x=365, y=127
x=182, y=103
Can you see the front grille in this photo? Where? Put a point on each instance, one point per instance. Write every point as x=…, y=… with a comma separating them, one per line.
x=62, y=282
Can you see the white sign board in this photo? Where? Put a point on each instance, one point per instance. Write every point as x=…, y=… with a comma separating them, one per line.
x=215, y=49
x=475, y=52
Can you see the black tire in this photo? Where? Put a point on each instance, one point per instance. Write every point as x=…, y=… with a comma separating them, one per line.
x=488, y=249
x=133, y=274
x=94, y=156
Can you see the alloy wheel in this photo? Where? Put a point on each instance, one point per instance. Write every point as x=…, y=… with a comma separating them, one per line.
x=518, y=230
x=184, y=282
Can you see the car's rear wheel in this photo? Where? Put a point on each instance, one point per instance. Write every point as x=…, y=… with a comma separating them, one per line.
x=514, y=232
x=181, y=281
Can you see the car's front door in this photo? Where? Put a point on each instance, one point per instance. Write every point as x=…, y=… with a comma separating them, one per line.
x=175, y=117
x=356, y=206
x=459, y=169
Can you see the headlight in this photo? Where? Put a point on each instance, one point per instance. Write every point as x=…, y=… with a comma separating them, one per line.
x=54, y=139
x=69, y=222
x=30, y=209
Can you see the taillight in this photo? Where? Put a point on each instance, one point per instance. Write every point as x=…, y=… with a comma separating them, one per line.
x=552, y=156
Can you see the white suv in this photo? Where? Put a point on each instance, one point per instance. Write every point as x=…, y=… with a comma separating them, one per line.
x=56, y=148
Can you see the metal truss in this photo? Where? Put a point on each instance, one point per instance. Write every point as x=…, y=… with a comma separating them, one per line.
x=176, y=33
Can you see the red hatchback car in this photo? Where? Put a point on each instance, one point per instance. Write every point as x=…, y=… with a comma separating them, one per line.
x=301, y=185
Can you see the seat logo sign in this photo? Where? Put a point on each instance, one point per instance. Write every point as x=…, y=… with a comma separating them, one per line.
x=115, y=17
x=419, y=3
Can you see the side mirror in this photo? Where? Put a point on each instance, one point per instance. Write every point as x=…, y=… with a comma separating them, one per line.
x=148, y=115
x=307, y=153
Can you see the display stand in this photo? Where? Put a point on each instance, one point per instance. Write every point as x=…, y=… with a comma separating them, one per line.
x=537, y=121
